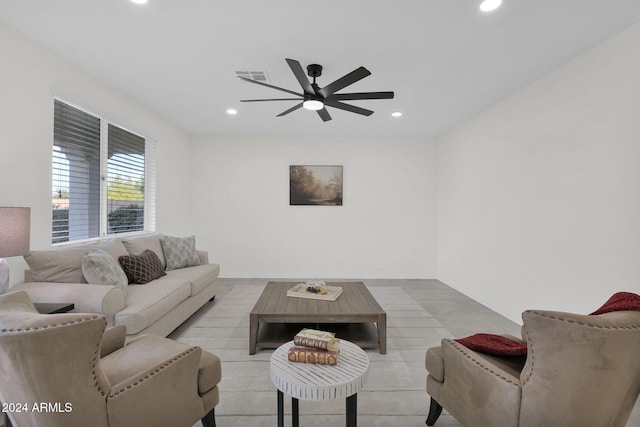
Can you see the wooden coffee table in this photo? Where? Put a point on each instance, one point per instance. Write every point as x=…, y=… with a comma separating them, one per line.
x=355, y=316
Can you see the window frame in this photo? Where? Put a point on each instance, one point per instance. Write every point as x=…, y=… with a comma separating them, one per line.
x=150, y=162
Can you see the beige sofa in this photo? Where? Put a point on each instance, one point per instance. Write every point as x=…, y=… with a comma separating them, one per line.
x=157, y=307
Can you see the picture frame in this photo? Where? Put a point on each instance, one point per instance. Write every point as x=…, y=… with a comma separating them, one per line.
x=315, y=185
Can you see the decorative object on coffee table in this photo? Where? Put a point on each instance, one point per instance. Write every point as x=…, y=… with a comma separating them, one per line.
x=326, y=293
x=304, y=381
x=14, y=238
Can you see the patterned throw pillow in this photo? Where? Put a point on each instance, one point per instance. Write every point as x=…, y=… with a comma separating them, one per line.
x=100, y=268
x=142, y=268
x=179, y=252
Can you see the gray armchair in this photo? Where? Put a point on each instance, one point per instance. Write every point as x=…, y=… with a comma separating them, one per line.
x=579, y=371
x=65, y=370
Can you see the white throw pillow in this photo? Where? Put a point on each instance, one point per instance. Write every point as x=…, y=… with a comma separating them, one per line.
x=179, y=252
x=58, y=265
x=100, y=268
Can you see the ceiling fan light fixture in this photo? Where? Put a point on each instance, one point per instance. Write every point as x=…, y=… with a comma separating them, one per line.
x=313, y=105
x=490, y=5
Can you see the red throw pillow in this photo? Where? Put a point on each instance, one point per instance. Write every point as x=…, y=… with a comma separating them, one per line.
x=495, y=345
x=620, y=301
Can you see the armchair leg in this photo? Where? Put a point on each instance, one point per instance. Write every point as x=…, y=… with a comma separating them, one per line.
x=434, y=412
x=209, y=420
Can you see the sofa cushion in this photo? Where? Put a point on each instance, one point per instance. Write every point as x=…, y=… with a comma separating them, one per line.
x=138, y=244
x=142, y=268
x=59, y=265
x=113, y=247
x=146, y=304
x=140, y=354
x=100, y=268
x=199, y=277
x=179, y=252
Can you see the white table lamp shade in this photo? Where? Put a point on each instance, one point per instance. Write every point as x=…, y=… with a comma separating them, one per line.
x=14, y=238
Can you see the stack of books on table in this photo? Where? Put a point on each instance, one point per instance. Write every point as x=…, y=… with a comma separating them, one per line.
x=312, y=346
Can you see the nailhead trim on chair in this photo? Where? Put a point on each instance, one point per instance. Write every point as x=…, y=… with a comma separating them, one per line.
x=462, y=349
x=530, y=350
x=157, y=370
x=530, y=358
x=96, y=354
x=57, y=325
x=582, y=323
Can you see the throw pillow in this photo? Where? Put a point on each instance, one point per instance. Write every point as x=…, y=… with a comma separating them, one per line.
x=100, y=268
x=142, y=268
x=620, y=301
x=58, y=265
x=179, y=252
x=496, y=345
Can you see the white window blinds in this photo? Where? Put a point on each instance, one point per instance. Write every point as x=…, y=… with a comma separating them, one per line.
x=103, y=178
x=76, y=174
x=125, y=181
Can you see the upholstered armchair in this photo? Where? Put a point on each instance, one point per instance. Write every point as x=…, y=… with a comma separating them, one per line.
x=578, y=371
x=65, y=370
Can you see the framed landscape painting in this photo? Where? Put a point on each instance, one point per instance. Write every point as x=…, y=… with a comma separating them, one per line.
x=315, y=185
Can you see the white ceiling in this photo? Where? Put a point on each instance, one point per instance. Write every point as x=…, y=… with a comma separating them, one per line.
x=445, y=60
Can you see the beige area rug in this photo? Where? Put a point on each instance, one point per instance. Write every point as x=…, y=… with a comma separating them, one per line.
x=394, y=395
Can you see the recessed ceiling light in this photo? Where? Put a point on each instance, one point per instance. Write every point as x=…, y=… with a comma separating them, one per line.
x=139, y=1
x=489, y=5
x=396, y=114
x=232, y=112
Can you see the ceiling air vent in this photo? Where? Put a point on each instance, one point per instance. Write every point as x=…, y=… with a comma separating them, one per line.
x=260, y=76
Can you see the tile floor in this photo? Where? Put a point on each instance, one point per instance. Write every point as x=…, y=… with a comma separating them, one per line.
x=395, y=393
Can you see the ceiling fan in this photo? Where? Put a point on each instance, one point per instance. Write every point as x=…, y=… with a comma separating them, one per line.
x=315, y=98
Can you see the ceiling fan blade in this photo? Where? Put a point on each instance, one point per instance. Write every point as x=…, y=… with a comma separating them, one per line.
x=294, y=108
x=347, y=107
x=272, y=99
x=344, y=81
x=324, y=115
x=271, y=86
x=301, y=76
x=360, y=95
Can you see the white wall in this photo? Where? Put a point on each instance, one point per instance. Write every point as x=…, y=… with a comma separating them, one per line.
x=539, y=196
x=30, y=76
x=386, y=227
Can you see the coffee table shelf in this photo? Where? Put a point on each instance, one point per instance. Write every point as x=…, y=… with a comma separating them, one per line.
x=273, y=335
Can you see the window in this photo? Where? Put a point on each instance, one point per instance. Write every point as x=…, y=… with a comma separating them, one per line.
x=103, y=178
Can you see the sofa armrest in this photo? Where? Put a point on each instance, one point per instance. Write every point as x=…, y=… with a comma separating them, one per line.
x=112, y=340
x=204, y=257
x=103, y=299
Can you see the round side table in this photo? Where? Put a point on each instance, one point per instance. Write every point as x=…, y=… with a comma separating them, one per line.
x=307, y=381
